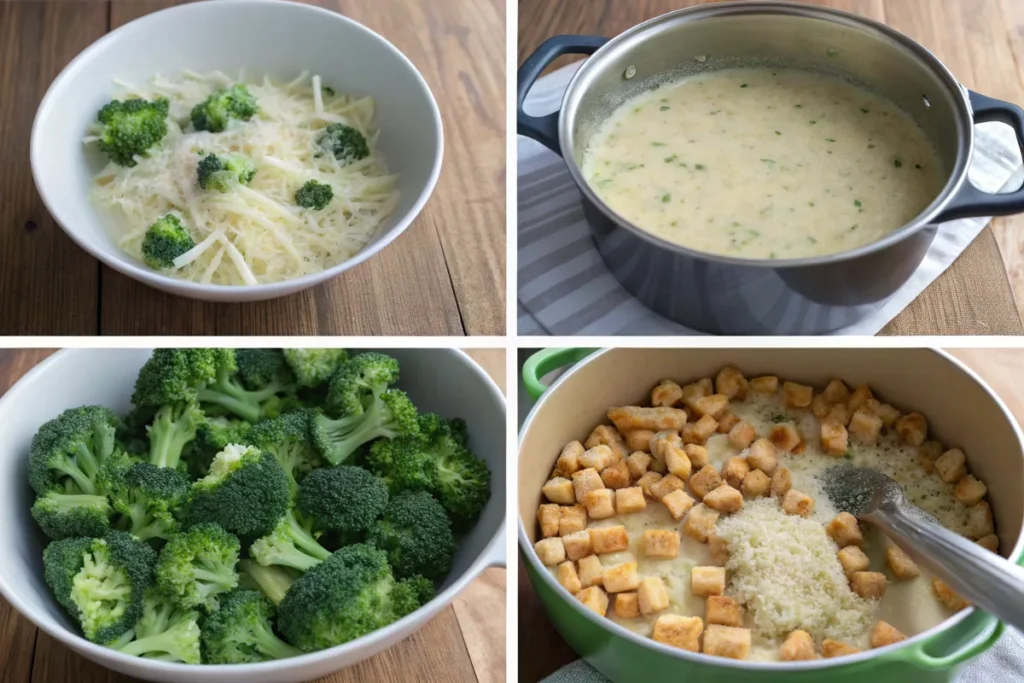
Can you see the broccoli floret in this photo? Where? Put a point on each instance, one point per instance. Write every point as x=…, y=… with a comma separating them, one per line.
x=346, y=500
x=241, y=631
x=246, y=492
x=220, y=173
x=131, y=127
x=165, y=240
x=68, y=451
x=212, y=435
x=416, y=535
x=216, y=111
x=290, y=544
x=358, y=380
x=147, y=496
x=289, y=440
x=314, y=367
x=273, y=581
x=70, y=515
x=165, y=632
x=389, y=415
x=197, y=566
x=345, y=142
x=350, y=594
x=404, y=464
x=266, y=370
x=101, y=582
x=314, y=195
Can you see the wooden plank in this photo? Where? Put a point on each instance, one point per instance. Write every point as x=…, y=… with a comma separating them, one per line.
x=48, y=285
x=480, y=610
x=17, y=645
x=54, y=663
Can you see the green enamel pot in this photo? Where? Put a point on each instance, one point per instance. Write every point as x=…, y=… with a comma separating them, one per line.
x=961, y=410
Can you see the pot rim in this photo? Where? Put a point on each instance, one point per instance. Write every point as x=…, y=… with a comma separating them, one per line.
x=917, y=642
x=955, y=181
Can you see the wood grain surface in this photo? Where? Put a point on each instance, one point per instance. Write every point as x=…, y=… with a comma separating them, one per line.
x=981, y=41
x=444, y=276
x=465, y=643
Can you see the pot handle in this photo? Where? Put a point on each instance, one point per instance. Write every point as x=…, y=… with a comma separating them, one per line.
x=970, y=201
x=543, y=362
x=544, y=129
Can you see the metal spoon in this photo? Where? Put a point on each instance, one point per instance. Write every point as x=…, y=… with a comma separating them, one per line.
x=981, y=577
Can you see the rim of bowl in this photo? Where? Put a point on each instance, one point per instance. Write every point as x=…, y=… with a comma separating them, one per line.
x=491, y=554
x=198, y=290
x=916, y=643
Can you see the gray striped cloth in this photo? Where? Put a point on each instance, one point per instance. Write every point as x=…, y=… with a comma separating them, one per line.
x=565, y=288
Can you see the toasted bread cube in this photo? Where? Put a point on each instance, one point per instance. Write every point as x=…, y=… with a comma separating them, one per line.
x=834, y=438
x=638, y=439
x=621, y=577
x=578, y=545
x=610, y=539
x=569, y=460
x=658, y=466
x=700, y=522
x=666, y=394
x=663, y=440
x=952, y=466
x=677, y=462
x=762, y=456
x=595, y=599
x=568, y=577
x=833, y=648
x=591, y=572
x=705, y=581
x=844, y=530
x=797, y=503
x=627, y=418
x=952, y=600
x=859, y=397
x=724, y=499
x=741, y=435
x=979, y=520
x=679, y=631
x=836, y=392
x=630, y=500
x=606, y=435
x=706, y=386
x=548, y=516
x=756, y=484
x=785, y=437
x=637, y=463
x=647, y=481
x=723, y=610
x=868, y=585
x=713, y=405
x=735, y=471
x=798, y=647
x=731, y=382
x=705, y=481
x=597, y=457
x=697, y=454
x=970, y=490
x=839, y=415
x=766, y=384
x=667, y=485
x=865, y=427
x=585, y=481
x=928, y=453
x=600, y=503
x=719, y=549
x=797, y=395
x=820, y=408
x=661, y=543
x=853, y=560
x=616, y=475
x=559, y=490
x=627, y=605
x=727, y=421
x=782, y=482
x=571, y=519
x=888, y=414
x=678, y=503
x=990, y=543
x=550, y=551
x=693, y=393
x=727, y=641
x=900, y=563
x=698, y=432
x=913, y=427
x=652, y=595
x=885, y=634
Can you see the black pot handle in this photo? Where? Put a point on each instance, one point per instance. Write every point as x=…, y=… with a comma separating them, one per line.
x=544, y=129
x=970, y=201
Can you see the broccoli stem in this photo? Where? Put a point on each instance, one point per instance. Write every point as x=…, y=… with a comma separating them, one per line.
x=165, y=644
x=168, y=436
x=227, y=393
x=82, y=471
x=272, y=646
x=142, y=525
x=272, y=581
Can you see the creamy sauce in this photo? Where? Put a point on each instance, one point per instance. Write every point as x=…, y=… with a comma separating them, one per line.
x=763, y=163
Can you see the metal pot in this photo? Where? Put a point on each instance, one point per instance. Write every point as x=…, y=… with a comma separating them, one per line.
x=726, y=295
x=908, y=378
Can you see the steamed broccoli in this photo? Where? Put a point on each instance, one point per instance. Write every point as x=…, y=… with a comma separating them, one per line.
x=147, y=496
x=346, y=500
x=350, y=594
x=131, y=127
x=212, y=435
x=165, y=240
x=358, y=380
x=290, y=544
x=314, y=195
x=165, y=632
x=273, y=580
x=220, y=173
x=345, y=142
x=289, y=440
x=389, y=415
x=68, y=451
x=246, y=492
x=101, y=582
x=197, y=566
x=416, y=535
x=69, y=515
x=216, y=111
x=314, y=367
x=241, y=631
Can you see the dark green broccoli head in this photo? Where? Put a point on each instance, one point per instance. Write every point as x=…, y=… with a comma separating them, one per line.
x=196, y=567
x=389, y=415
x=346, y=500
x=216, y=111
x=404, y=463
x=416, y=535
x=314, y=195
x=291, y=544
x=165, y=240
x=246, y=492
x=165, y=631
x=68, y=451
x=345, y=142
x=131, y=127
x=71, y=515
x=314, y=367
x=212, y=435
x=242, y=631
x=221, y=173
x=289, y=439
x=358, y=380
x=146, y=496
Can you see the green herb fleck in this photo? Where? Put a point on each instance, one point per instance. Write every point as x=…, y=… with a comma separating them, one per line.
x=772, y=255
x=871, y=146
x=897, y=163
x=699, y=167
x=778, y=133
x=812, y=240
x=799, y=106
x=657, y=144
x=770, y=162
x=917, y=166
x=813, y=122
x=669, y=160
x=665, y=107
x=856, y=202
x=830, y=139
x=674, y=223
x=832, y=52
x=744, y=85
x=854, y=226
x=666, y=198
x=864, y=111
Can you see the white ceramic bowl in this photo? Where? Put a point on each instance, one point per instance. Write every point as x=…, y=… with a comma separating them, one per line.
x=280, y=39
x=444, y=381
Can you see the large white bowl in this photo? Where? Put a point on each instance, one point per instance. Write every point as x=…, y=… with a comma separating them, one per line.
x=280, y=39
x=438, y=380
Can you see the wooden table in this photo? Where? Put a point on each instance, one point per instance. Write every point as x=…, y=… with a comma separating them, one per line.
x=444, y=276
x=979, y=40
x=465, y=643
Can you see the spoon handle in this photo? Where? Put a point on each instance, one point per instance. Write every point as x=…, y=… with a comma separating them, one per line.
x=981, y=577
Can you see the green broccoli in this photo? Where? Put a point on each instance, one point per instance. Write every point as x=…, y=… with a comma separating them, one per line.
x=346, y=500
x=289, y=440
x=69, y=515
x=314, y=195
x=221, y=173
x=241, y=631
x=216, y=111
x=101, y=582
x=131, y=127
x=68, y=451
x=350, y=594
x=314, y=367
x=147, y=496
x=165, y=632
x=358, y=380
x=416, y=535
x=389, y=415
x=197, y=566
x=246, y=492
x=273, y=580
x=212, y=435
x=165, y=240
x=290, y=544
x=345, y=142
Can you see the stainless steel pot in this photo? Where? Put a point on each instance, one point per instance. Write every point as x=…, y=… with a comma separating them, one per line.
x=725, y=295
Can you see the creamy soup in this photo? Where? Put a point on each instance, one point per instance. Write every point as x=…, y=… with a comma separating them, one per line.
x=763, y=163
